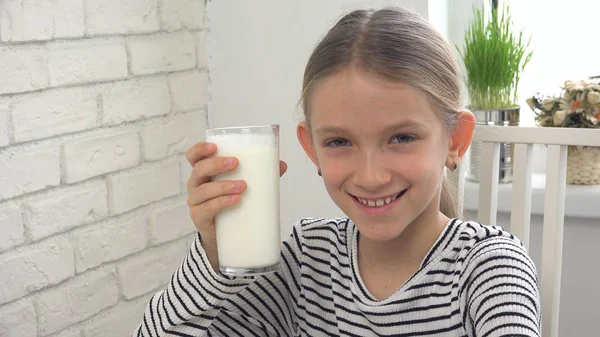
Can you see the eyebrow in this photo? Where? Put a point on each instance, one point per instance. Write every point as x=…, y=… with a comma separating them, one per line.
x=392, y=127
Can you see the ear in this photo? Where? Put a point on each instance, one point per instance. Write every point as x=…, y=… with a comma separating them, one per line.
x=461, y=137
x=305, y=139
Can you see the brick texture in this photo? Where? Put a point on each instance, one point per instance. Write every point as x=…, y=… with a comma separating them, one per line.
x=53, y=112
x=99, y=101
x=53, y=19
x=106, y=17
x=77, y=300
x=135, y=100
x=23, y=68
x=65, y=208
x=151, y=269
x=83, y=62
x=177, y=14
x=109, y=241
x=11, y=222
x=170, y=222
x=189, y=91
x=27, y=169
x=97, y=154
x=4, y=127
x=174, y=135
x=118, y=321
x=141, y=186
x=43, y=264
x=18, y=319
x=164, y=53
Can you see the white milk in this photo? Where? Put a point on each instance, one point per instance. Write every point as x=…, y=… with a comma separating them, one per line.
x=248, y=233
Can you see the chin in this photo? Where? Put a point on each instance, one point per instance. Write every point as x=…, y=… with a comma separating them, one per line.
x=379, y=231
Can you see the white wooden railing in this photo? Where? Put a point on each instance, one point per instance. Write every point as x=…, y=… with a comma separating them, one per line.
x=524, y=138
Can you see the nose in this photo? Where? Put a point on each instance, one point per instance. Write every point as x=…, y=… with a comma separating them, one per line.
x=371, y=173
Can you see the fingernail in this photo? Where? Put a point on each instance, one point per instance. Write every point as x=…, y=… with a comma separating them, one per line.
x=228, y=161
x=208, y=146
x=237, y=185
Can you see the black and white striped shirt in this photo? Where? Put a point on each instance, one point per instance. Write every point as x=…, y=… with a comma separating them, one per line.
x=475, y=281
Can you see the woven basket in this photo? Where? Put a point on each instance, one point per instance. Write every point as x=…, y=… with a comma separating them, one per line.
x=583, y=165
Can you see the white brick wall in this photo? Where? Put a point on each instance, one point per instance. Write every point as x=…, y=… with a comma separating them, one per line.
x=4, y=137
x=185, y=169
x=11, y=223
x=143, y=185
x=38, y=266
x=112, y=240
x=170, y=222
x=151, y=269
x=164, y=137
x=189, y=91
x=48, y=19
x=23, y=68
x=134, y=100
x=71, y=332
x=53, y=112
x=86, y=61
x=162, y=53
x=121, y=17
x=118, y=321
x=99, y=100
x=65, y=208
x=177, y=14
x=96, y=154
x=28, y=169
x=201, y=51
x=77, y=299
x=18, y=319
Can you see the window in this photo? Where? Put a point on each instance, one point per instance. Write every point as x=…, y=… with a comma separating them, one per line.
x=564, y=41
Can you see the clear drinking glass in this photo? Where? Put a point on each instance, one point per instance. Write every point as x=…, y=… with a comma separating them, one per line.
x=248, y=234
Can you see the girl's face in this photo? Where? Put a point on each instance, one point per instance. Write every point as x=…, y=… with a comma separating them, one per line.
x=381, y=149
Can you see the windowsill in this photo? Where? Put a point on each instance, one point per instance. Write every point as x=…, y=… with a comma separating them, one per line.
x=581, y=200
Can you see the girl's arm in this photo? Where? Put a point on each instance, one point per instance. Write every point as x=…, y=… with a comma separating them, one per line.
x=199, y=301
x=501, y=290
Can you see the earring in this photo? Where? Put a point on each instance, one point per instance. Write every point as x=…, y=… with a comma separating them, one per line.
x=453, y=167
x=319, y=173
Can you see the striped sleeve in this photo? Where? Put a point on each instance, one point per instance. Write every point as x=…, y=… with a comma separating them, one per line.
x=501, y=290
x=201, y=302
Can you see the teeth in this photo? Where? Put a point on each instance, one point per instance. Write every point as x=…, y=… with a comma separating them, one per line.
x=377, y=203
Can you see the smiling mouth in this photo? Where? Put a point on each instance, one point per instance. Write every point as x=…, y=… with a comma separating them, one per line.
x=379, y=202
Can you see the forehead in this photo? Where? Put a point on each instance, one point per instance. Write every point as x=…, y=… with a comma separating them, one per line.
x=353, y=96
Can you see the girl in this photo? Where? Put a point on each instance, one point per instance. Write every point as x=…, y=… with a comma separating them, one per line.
x=382, y=124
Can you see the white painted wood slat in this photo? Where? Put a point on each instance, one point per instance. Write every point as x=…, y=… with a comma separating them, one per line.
x=488, y=183
x=520, y=217
x=552, y=240
x=537, y=135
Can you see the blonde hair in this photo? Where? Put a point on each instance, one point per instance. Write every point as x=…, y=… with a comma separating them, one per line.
x=396, y=44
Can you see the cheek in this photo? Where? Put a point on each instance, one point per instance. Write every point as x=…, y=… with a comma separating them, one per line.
x=423, y=166
x=333, y=170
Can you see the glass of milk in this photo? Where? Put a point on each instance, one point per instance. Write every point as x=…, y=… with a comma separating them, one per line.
x=248, y=234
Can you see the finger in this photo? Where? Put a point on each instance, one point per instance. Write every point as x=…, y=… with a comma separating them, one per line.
x=199, y=151
x=282, y=167
x=209, y=167
x=211, y=190
x=204, y=213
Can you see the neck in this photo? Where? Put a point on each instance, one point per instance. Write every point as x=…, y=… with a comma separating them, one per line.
x=408, y=249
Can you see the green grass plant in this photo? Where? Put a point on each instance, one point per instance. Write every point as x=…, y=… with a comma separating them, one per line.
x=494, y=57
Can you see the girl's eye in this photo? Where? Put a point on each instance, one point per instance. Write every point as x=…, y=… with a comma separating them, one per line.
x=403, y=139
x=337, y=142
